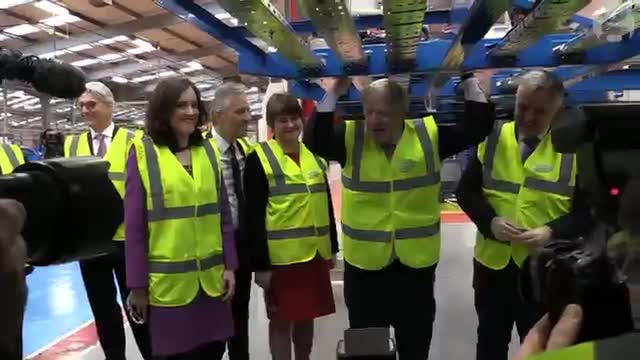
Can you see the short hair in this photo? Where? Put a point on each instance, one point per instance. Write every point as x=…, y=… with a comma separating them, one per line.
x=224, y=93
x=542, y=80
x=282, y=104
x=395, y=93
x=100, y=91
x=162, y=107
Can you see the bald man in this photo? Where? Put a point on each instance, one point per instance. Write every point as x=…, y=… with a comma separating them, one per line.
x=390, y=203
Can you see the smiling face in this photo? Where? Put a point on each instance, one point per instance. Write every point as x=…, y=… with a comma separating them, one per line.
x=96, y=113
x=287, y=128
x=185, y=117
x=535, y=110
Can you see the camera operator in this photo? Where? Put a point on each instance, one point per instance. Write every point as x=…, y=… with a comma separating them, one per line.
x=519, y=192
x=13, y=255
x=11, y=156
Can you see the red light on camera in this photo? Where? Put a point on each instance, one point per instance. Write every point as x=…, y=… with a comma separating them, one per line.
x=614, y=191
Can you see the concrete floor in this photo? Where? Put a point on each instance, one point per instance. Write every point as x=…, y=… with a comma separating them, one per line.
x=455, y=326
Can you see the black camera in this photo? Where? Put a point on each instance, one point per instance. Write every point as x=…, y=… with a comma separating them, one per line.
x=583, y=271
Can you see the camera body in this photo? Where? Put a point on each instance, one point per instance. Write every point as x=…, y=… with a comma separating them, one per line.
x=581, y=271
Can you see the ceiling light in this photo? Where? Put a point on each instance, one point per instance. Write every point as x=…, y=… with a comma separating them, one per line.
x=119, y=38
x=85, y=62
x=142, y=43
x=109, y=57
x=203, y=86
x=166, y=73
x=195, y=65
x=20, y=30
x=119, y=80
x=80, y=47
x=5, y=4
x=60, y=20
x=52, y=54
x=51, y=7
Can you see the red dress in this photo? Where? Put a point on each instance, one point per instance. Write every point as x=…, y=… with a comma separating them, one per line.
x=300, y=291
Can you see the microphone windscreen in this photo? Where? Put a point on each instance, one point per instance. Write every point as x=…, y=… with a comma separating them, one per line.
x=59, y=79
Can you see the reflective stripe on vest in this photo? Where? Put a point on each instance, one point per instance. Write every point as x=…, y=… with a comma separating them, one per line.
x=354, y=183
x=11, y=155
x=159, y=211
x=281, y=188
x=390, y=206
x=545, y=194
x=113, y=176
x=297, y=221
x=186, y=254
x=560, y=187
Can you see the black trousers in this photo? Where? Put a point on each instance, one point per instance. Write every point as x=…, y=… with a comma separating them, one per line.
x=211, y=351
x=238, y=345
x=499, y=305
x=397, y=296
x=97, y=275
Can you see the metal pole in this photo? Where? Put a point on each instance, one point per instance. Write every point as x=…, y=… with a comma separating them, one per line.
x=45, y=103
x=5, y=111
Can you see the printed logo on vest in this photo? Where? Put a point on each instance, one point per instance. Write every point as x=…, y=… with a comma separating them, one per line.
x=314, y=173
x=544, y=168
x=407, y=165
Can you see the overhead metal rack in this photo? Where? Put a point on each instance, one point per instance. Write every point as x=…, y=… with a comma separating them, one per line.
x=536, y=42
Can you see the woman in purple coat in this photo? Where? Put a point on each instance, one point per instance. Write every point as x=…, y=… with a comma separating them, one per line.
x=197, y=329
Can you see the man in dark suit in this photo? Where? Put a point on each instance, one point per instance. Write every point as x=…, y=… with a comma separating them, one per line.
x=108, y=141
x=231, y=116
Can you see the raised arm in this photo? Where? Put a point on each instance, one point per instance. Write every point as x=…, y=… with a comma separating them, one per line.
x=474, y=126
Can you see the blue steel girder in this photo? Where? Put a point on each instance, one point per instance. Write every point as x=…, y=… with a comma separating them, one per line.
x=432, y=52
x=482, y=16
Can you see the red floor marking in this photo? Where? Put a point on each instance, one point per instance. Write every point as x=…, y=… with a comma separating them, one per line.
x=72, y=345
x=453, y=217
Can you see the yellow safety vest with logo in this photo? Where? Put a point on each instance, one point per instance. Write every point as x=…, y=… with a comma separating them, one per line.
x=528, y=195
x=297, y=212
x=78, y=145
x=392, y=204
x=11, y=157
x=185, y=232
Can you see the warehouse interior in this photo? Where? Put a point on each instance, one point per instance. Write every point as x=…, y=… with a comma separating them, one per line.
x=131, y=45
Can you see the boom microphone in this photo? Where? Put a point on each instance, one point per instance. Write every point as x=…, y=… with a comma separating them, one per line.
x=46, y=75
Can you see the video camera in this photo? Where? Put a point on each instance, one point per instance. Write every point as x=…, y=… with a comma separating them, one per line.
x=587, y=271
x=73, y=209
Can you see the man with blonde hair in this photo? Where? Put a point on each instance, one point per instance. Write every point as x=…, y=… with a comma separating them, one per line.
x=105, y=139
x=390, y=203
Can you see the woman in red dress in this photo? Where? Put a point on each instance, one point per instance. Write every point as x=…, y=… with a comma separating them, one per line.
x=290, y=229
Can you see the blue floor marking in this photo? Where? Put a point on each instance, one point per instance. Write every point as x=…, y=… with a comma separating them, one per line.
x=57, y=305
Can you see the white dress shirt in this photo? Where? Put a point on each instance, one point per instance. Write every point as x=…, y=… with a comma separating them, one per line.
x=108, y=137
x=227, y=172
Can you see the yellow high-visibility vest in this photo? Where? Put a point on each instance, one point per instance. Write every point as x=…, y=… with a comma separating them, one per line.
x=11, y=157
x=185, y=232
x=392, y=204
x=528, y=195
x=297, y=212
x=117, y=153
